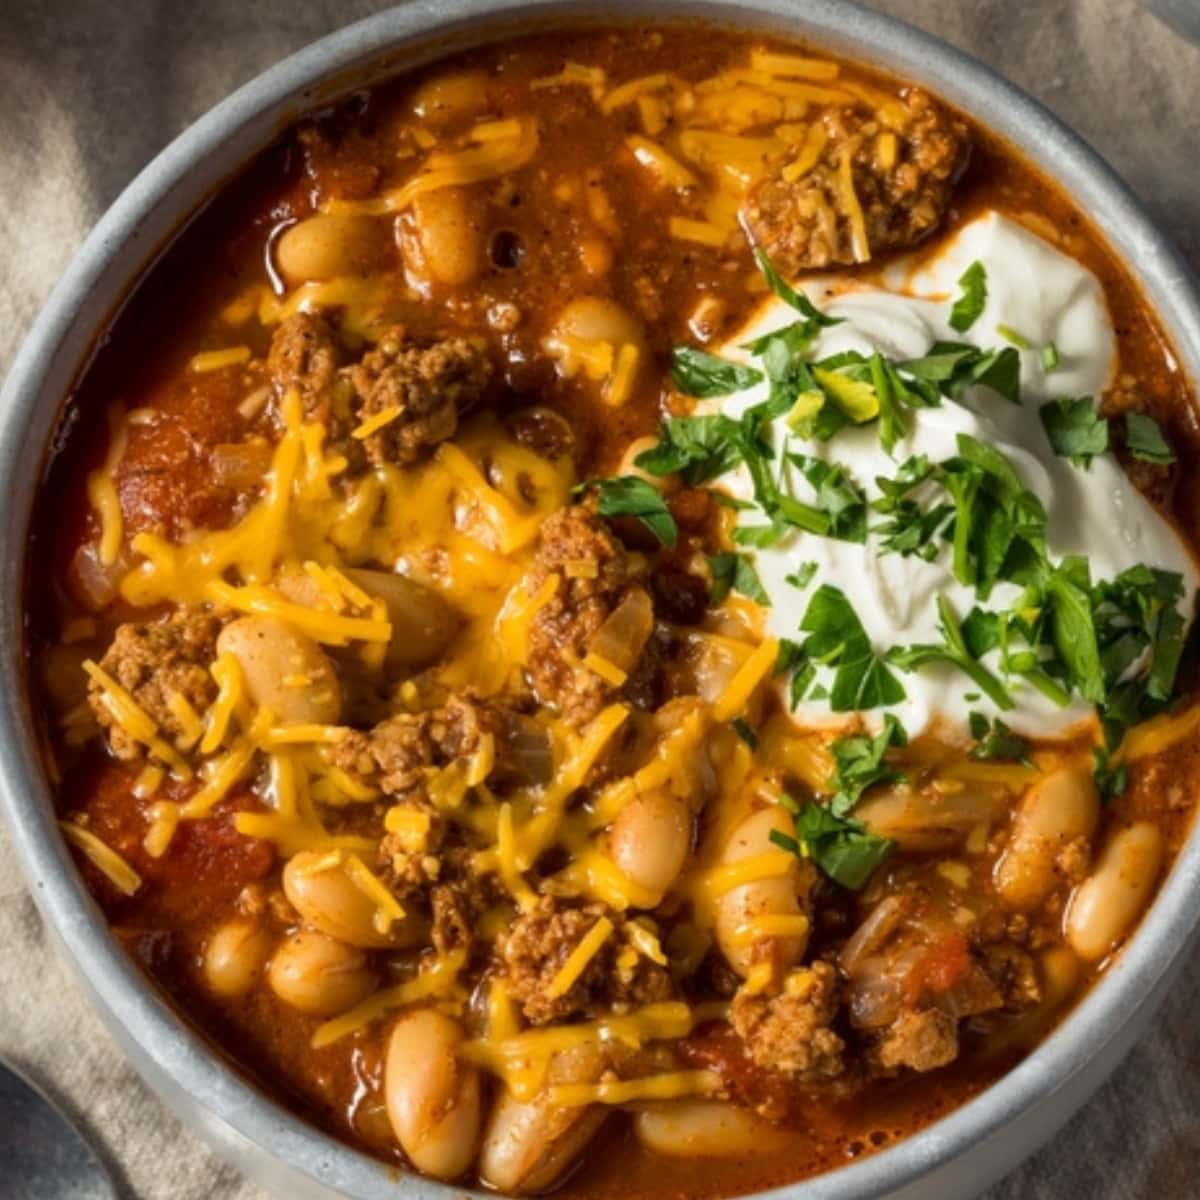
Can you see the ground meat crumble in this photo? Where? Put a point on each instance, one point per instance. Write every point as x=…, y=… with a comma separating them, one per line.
x=903, y=179
x=154, y=660
x=617, y=978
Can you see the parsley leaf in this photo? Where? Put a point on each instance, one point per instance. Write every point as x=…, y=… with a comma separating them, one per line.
x=698, y=448
x=745, y=733
x=792, y=660
x=1072, y=628
x=859, y=764
x=700, y=374
x=994, y=740
x=843, y=848
x=1076, y=431
x=802, y=576
x=1145, y=440
x=797, y=300
x=837, y=497
x=952, y=650
x=632, y=496
x=972, y=297
x=836, y=637
x=1110, y=781
x=735, y=572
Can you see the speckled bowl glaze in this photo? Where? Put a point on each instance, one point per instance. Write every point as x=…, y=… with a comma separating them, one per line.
x=956, y=1157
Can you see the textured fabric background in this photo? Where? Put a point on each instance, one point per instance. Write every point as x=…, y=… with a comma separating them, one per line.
x=90, y=90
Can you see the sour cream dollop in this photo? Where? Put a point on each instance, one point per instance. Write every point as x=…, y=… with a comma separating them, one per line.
x=1047, y=298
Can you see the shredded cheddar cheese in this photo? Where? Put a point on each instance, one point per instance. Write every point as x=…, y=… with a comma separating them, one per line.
x=106, y=860
x=579, y=958
x=671, y=1085
x=218, y=360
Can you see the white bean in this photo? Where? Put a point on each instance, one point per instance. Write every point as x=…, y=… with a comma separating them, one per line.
x=433, y=1099
x=329, y=901
x=529, y=1144
x=235, y=956
x=326, y=245
x=1106, y=904
x=650, y=839
x=284, y=670
x=1055, y=811
x=777, y=895
x=423, y=624
x=441, y=237
x=447, y=97
x=705, y=1129
x=596, y=319
x=319, y=975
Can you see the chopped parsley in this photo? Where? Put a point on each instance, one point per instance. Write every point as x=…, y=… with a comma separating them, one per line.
x=859, y=764
x=1145, y=440
x=697, y=448
x=802, y=576
x=972, y=297
x=1049, y=357
x=794, y=299
x=735, y=572
x=1075, y=429
x=844, y=849
x=745, y=733
x=994, y=740
x=954, y=651
x=836, y=638
x=700, y=374
x=1010, y=335
x=1110, y=781
x=631, y=496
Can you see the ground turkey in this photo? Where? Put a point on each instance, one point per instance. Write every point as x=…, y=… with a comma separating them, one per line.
x=152, y=661
x=430, y=385
x=593, y=575
x=304, y=355
x=617, y=978
x=903, y=178
x=396, y=753
x=791, y=1032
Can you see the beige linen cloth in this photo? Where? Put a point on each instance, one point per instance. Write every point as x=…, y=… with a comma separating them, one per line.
x=90, y=90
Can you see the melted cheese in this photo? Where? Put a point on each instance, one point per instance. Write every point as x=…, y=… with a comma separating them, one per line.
x=671, y=1085
x=437, y=979
x=577, y=961
x=119, y=873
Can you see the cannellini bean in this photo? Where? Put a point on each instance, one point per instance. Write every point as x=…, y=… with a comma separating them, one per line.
x=445, y=97
x=529, y=1144
x=325, y=246
x=1106, y=904
x=284, y=670
x=650, y=839
x=441, y=237
x=1056, y=810
x=235, y=956
x=433, y=1099
x=927, y=821
x=774, y=896
x=329, y=901
x=423, y=624
x=596, y=319
x=705, y=1129
x=319, y=975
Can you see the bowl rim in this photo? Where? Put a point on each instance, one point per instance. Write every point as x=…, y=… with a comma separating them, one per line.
x=143, y=218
